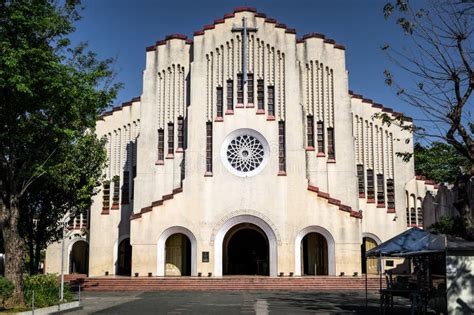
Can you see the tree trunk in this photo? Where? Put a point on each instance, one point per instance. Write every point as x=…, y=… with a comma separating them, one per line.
x=463, y=204
x=14, y=250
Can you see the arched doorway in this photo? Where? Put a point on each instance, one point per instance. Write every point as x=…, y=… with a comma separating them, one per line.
x=245, y=251
x=314, y=255
x=79, y=258
x=369, y=264
x=178, y=255
x=124, y=258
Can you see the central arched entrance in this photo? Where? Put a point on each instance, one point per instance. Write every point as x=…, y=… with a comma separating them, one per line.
x=245, y=251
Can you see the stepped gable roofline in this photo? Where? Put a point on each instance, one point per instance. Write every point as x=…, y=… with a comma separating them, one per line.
x=117, y=108
x=167, y=38
x=320, y=36
x=379, y=106
x=244, y=9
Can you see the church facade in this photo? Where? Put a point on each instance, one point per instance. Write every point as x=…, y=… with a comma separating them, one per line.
x=246, y=154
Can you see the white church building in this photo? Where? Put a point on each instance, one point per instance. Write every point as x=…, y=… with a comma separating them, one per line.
x=246, y=154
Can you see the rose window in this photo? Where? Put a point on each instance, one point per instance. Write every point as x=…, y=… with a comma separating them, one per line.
x=244, y=152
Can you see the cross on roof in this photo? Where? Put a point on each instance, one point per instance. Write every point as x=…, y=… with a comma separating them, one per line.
x=244, y=30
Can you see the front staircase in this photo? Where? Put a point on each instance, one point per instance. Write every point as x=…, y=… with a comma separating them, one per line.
x=228, y=283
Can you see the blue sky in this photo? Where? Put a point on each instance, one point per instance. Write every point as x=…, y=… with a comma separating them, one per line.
x=122, y=29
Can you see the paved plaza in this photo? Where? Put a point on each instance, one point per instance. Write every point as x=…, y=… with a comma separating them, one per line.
x=229, y=303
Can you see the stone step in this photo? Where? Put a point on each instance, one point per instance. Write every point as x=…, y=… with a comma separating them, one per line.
x=323, y=283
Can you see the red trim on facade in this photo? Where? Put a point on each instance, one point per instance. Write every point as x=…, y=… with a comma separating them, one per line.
x=229, y=112
x=219, y=119
x=270, y=118
x=270, y=20
x=313, y=35
x=198, y=33
x=105, y=211
x=239, y=105
x=176, y=36
x=157, y=203
x=160, y=162
x=145, y=210
x=280, y=25
x=169, y=156
x=313, y=188
x=208, y=174
x=135, y=216
x=250, y=105
x=339, y=46
x=380, y=205
x=323, y=195
x=243, y=9
x=260, y=111
x=189, y=41
x=281, y=173
x=361, y=195
x=329, y=41
x=209, y=27
x=309, y=148
x=391, y=210
x=379, y=106
x=260, y=15
x=161, y=42
x=219, y=21
x=331, y=161
x=320, y=154
x=150, y=48
x=229, y=15
x=335, y=202
x=115, y=206
x=179, y=150
x=370, y=200
x=299, y=41
x=290, y=31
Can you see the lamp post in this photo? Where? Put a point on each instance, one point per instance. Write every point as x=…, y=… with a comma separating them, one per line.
x=61, y=296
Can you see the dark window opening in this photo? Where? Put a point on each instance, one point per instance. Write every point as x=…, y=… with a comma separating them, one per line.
x=331, y=144
x=240, y=89
x=281, y=142
x=271, y=100
x=125, y=187
x=390, y=194
x=106, y=196
x=209, y=147
x=320, y=135
x=180, y=133
x=260, y=95
x=361, y=179
x=380, y=189
x=170, y=139
x=230, y=95
x=310, y=131
x=370, y=184
x=250, y=96
x=161, y=144
x=220, y=102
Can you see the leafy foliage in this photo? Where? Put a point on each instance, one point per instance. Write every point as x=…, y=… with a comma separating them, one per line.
x=440, y=162
x=449, y=225
x=438, y=58
x=50, y=97
x=46, y=290
x=6, y=289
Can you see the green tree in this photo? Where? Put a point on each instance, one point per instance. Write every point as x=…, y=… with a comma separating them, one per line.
x=50, y=97
x=440, y=162
x=438, y=57
x=66, y=187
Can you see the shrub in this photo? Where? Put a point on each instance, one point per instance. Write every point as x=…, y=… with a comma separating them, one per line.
x=6, y=289
x=46, y=289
